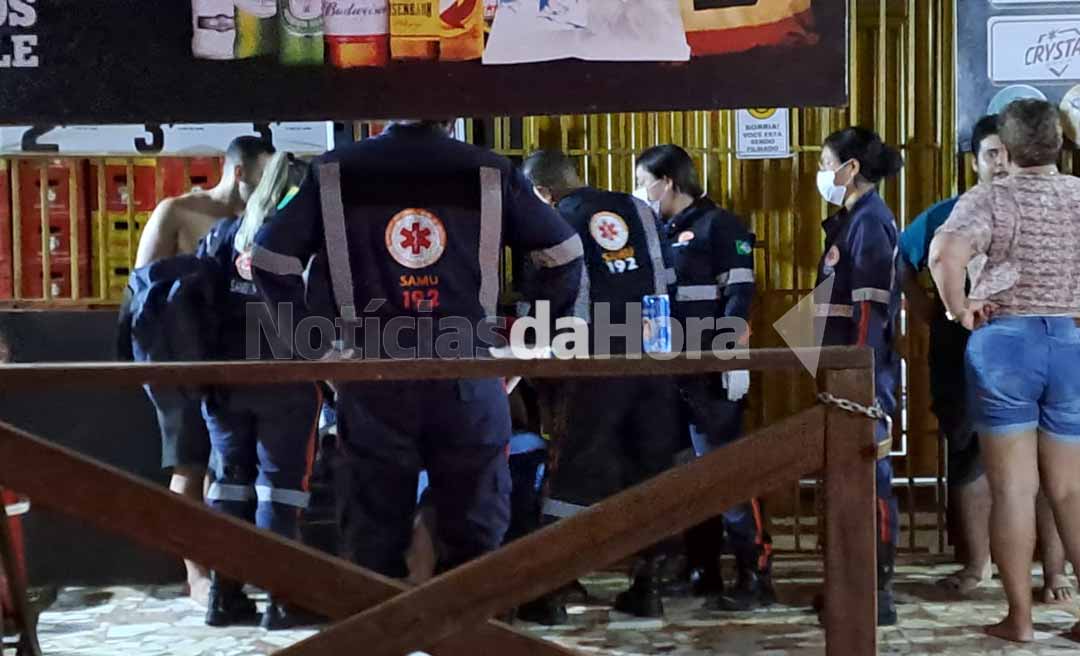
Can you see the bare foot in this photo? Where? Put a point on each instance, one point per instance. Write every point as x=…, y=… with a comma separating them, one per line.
x=1012, y=630
x=199, y=590
x=966, y=580
x=1058, y=590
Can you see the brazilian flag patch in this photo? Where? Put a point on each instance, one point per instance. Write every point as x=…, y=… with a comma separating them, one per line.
x=743, y=247
x=288, y=198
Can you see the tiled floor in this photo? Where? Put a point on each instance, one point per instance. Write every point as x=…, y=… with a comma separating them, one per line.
x=153, y=622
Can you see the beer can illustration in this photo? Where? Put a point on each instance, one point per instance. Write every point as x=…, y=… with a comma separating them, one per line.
x=214, y=23
x=301, y=25
x=256, y=28
x=656, y=323
x=357, y=32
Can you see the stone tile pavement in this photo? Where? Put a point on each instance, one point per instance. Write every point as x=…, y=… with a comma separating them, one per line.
x=158, y=621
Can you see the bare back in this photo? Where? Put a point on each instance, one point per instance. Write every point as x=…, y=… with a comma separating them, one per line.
x=177, y=226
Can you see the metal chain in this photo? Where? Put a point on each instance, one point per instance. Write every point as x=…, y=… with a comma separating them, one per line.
x=873, y=412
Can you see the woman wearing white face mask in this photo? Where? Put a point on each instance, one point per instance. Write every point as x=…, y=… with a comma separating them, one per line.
x=864, y=297
x=712, y=255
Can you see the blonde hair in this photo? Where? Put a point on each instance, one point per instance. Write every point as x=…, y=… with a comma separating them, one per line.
x=263, y=201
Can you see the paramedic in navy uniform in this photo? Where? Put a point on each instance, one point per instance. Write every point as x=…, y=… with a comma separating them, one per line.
x=405, y=229
x=860, y=246
x=712, y=254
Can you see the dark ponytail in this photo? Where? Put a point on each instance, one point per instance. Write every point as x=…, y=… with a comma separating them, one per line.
x=669, y=161
x=877, y=160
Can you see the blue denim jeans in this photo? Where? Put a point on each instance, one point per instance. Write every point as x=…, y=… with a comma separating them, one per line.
x=1023, y=374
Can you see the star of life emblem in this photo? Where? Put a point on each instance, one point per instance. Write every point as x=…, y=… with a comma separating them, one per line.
x=416, y=238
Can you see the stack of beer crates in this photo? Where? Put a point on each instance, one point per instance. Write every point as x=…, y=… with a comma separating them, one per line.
x=81, y=220
x=7, y=289
x=129, y=190
x=50, y=236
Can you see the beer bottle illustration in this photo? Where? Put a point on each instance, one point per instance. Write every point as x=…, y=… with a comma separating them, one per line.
x=415, y=29
x=357, y=32
x=214, y=23
x=256, y=28
x=301, y=32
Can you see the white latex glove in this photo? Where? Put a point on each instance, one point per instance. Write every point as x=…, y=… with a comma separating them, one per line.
x=737, y=384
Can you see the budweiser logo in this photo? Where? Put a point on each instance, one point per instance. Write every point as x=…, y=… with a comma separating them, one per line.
x=354, y=9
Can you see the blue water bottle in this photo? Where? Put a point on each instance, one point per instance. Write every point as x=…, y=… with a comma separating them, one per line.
x=656, y=323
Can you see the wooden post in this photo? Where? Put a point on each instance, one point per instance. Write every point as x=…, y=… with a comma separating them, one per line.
x=851, y=539
x=606, y=532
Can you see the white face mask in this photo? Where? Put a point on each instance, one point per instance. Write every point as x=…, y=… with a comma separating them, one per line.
x=829, y=190
x=642, y=194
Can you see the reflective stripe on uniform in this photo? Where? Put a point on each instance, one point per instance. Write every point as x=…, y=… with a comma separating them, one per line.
x=583, y=302
x=827, y=310
x=736, y=277
x=276, y=263
x=652, y=240
x=296, y=498
x=697, y=293
x=559, y=254
x=226, y=492
x=337, y=245
x=562, y=509
x=491, y=211
x=871, y=294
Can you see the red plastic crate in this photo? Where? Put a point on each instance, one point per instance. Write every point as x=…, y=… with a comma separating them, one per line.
x=59, y=240
x=60, y=278
x=180, y=175
x=6, y=252
x=142, y=188
x=58, y=180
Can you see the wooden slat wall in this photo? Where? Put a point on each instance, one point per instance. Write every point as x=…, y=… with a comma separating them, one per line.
x=901, y=85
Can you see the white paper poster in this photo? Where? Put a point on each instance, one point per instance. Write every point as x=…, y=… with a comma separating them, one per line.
x=762, y=134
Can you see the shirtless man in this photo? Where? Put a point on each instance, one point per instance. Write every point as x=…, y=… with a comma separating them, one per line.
x=176, y=228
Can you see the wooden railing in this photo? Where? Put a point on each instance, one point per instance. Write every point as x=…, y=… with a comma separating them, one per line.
x=451, y=614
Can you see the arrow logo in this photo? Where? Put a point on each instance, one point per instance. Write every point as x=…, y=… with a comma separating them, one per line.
x=801, y=332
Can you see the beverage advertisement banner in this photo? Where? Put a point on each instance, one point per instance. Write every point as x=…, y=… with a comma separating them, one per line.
x=196, y=61
x=1011, y=49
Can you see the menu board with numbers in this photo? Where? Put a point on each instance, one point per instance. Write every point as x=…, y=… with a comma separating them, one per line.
x=197, y=61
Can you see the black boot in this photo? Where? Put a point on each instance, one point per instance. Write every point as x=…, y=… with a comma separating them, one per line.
x=228, y=604
x=548, y=610
x=707, y=581
x=643, y=599
x=753, y=588
x=886, y=608
x=282, y=617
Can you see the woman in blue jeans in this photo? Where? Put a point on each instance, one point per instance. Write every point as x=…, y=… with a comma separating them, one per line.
x=1019, y=239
